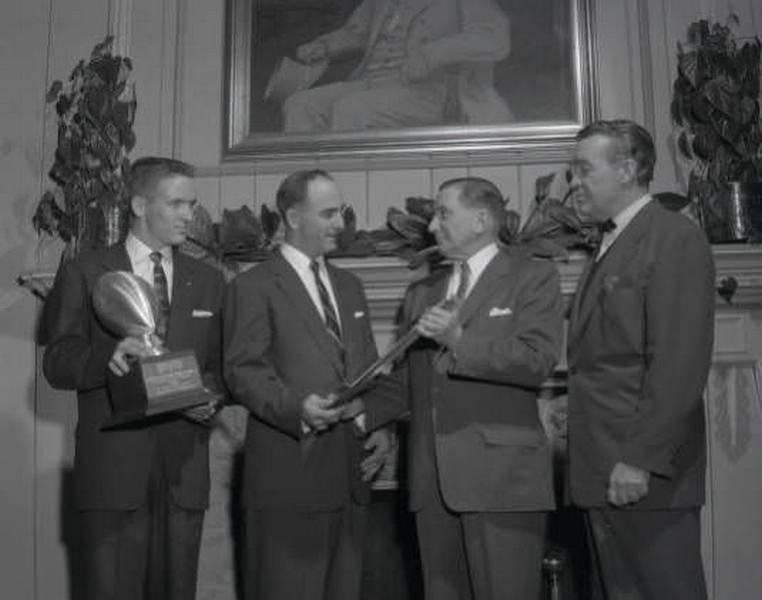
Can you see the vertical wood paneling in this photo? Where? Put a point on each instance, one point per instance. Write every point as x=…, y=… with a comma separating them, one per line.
x=439, y=176
x=390, y=188
x=208, y=194
x=265, y=187
x=237, y=191
x=354, y=189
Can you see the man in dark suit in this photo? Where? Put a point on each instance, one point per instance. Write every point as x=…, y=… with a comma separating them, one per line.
x=480, y=479
x=296, y=328
x=141, y=490
x=640, y=342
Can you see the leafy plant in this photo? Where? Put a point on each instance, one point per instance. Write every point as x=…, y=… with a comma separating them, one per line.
x=715, y=106
x=95, y=111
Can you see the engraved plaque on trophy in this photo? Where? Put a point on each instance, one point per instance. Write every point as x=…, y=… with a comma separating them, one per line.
x=163, y=382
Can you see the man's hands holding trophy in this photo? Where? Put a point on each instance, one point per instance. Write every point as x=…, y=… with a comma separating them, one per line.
x=127, y=306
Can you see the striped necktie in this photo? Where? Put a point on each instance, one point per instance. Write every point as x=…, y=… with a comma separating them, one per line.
x=162, y=293
x=465, y=279
x=329, y=313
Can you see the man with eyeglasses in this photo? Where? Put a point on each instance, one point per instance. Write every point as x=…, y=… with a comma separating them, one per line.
x=140, y=490
x=296, y=328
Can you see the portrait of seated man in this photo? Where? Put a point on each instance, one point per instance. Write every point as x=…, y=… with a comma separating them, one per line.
x=422, y=64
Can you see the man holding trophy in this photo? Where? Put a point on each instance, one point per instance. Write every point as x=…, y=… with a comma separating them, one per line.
x=140, y=484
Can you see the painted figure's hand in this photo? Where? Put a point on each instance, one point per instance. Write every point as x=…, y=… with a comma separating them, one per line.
x=311, y=52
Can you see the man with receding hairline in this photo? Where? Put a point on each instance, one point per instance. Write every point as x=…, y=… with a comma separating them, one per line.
x=640, y=343
x=296, y=328
x=140, y=490
x=480, y=473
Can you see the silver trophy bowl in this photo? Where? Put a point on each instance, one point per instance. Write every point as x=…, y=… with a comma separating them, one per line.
x=127, y=305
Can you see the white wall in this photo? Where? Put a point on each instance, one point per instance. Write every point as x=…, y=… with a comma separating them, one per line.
x=177, y=50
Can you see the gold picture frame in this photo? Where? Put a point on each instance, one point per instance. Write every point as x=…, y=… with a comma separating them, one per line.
x=548, y=76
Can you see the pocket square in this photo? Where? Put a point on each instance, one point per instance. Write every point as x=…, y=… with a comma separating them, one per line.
x=500, y=312
x=201, y=314
x=359, y=314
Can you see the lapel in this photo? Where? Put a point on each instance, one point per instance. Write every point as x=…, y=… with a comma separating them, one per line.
x=183, y=297
x=410, y=10
x=493, y=276
x=293, y=289
x=616, y=260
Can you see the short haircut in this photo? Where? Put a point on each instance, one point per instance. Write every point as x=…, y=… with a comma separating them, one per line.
x=631, y=141
x=476, y=192
x=146, y=173
x=293, y=189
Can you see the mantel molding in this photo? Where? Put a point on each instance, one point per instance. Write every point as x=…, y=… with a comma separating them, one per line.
x=386, y=278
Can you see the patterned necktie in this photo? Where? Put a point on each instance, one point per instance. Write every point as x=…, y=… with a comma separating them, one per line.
x=331, y=320
x=465, y=279
x=162, y=293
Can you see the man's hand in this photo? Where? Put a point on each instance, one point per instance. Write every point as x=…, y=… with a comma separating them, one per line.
x=415, y=68
x=378, y=444
x=311, y=52
x=441, y=323
x=627, y=484
x=129, y=348
x=317, y=413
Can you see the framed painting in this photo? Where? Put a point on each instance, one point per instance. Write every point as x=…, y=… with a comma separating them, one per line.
x=375, y=78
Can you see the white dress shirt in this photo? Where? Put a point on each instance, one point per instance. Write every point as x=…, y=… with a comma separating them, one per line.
x=621, y=220
x=301, y=264
x=476, y=264
x=142, y=265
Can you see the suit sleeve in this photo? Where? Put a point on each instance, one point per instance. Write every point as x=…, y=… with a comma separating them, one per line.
x=252, y=379
x=353, y=36
x=70, y=361
x=679, y=316
x=484, y=37
x=213, y=377
x=526, y=356
x=389, y=399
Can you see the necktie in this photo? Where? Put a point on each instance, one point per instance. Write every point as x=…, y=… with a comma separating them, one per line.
x=465, y=278
x=331, y=320
x=162, y=292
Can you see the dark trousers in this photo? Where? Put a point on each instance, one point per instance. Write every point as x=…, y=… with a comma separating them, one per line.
x=480, y=556
x=304, y=555
x=150, y=553
x=646, y=554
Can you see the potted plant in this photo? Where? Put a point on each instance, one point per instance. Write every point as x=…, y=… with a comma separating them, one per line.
x=716, y=109
x=95, y=112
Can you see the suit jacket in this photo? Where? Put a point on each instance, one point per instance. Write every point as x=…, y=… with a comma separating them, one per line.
x=640, y=343
x=475, y=430
x=277, y=352
x=470, y=35
x=112, y=467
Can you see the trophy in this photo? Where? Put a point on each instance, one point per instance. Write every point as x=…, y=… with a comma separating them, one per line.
x=162, y=382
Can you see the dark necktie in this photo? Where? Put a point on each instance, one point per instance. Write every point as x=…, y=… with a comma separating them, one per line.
x=331, y=320
x=162, y=293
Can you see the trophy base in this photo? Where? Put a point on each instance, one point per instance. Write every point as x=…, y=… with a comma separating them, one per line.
x=155, y=386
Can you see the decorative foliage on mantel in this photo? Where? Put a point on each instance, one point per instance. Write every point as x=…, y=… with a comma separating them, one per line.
x=95, y=111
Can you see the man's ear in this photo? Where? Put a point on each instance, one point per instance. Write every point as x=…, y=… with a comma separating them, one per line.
x=481, y=220
x=293, y=218
x=629, y=170
x=138, y=205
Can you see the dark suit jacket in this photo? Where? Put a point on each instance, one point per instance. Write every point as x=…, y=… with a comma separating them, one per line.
x=640, y=343
x=111, y=467
x=277, y=352
x=474, y=420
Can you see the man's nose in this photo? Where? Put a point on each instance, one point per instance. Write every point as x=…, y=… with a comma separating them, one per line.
x=434, y=224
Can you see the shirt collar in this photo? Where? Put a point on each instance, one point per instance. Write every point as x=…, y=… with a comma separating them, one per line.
x=298, y=259
x=138, y=251
x=478, y=262
x=628, y=214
